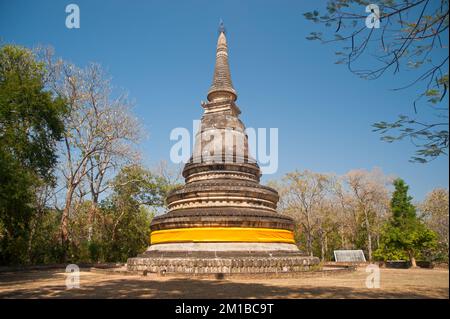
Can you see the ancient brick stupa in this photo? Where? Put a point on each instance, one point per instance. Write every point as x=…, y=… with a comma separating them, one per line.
x=222, y=220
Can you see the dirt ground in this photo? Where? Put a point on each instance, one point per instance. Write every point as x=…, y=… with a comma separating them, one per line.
x=394, y=283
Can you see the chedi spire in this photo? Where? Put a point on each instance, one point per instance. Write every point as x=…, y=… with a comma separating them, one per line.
x=222, y=86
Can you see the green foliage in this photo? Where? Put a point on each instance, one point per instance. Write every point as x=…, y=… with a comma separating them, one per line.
x=401, y=206
x=136, y=186
x=411, y=239
x=432, y=141
x=44, y=246
x=404, y=236
x=137, y=193
x=30, y=125
x=126, y=237
x=121, y=225
x=31, y=119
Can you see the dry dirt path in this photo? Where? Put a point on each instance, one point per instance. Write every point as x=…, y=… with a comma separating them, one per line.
x=395, y=283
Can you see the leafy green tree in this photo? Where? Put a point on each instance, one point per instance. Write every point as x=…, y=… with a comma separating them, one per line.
x=30, y=126
x=411, y=36
x=44, y=246
x=404, y=235
x=122, y=223
x=137, y=196
x=401, y=206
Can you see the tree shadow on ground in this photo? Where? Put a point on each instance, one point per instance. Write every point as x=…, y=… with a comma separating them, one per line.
x=197, y=288
x=23, y=277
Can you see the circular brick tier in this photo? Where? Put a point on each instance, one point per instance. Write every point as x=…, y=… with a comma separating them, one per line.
x=219, y=193
x=221, y=217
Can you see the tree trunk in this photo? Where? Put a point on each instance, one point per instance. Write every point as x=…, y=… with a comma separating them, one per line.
x=91, y=219
x=412, y=259
x=322, y=248
x=64, y=231
x=369, y=236
x=369, y=245
x=92, y=210
x=309, y=243
x=30, y=239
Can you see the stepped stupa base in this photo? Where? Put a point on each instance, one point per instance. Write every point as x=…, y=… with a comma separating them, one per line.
x=222, y=262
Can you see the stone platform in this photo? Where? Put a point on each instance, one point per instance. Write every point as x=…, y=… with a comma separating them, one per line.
x=223, y=265
x=192, y=261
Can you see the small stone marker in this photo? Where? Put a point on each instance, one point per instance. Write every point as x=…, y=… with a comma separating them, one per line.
x=349, y=256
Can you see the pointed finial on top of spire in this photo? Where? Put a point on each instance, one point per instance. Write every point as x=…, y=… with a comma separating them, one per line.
x=221, y=26
x=222, y=87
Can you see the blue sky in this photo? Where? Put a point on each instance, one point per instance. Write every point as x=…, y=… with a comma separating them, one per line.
x=162, y=53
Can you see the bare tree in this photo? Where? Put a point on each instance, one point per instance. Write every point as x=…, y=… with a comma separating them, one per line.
x=327, y=221
x=172, y=174
x=346, y=215
x=335, y=211
x=435, y=213
x=303, y=195
x=371, y=200
x=100, y=133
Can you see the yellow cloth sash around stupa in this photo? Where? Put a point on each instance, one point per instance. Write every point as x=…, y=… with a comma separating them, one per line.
x=222, y=234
